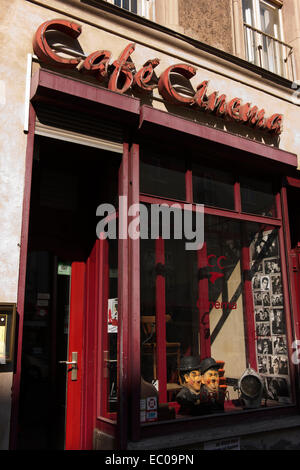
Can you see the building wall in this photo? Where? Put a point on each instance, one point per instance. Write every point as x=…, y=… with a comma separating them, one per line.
x=208, y=22
x=291, y=26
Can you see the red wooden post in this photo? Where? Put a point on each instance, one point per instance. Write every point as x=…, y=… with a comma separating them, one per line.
x=237, y=197
x=285, y=285
x=203, y=303
x=74, y=388
x=103, y=339
x=248, y=305
x=161, y=356
x=293, y=261
x=134, y=299
x=123, y=289
x=22, y=279
x=189, y=186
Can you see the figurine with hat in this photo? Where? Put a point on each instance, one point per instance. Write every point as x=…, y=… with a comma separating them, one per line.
x=200, y=393
x=211, y=395
x=189, y=395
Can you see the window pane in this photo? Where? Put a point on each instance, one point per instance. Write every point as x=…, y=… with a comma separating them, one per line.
x=134, y=6
x=224, y=302
x=248, y=12
x=213, y=187
x=112, y=326
x=118, y=3
x=126, y=4
x=258, y=197
x=269, y=20
x=161, y=175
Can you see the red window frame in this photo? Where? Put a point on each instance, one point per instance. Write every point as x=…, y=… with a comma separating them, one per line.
x=147, y=430
x=144, y=119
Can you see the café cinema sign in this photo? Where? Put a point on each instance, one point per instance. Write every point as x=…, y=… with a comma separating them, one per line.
x=121, y=75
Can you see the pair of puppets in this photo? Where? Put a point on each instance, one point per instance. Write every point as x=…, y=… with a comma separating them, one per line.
x=201, y=392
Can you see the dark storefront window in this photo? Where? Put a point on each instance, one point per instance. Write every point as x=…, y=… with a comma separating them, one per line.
x=258, y=197
x=224, y=301
x=213, y=187
x=162, y=175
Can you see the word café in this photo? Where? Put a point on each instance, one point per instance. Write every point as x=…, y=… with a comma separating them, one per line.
x=121, y=76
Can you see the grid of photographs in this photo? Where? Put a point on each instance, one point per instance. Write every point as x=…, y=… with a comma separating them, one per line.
x=271, y=340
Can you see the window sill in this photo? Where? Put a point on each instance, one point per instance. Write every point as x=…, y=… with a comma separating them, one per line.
x=214, y=427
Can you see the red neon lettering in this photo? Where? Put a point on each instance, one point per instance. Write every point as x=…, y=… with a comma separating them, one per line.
x=166, y=89
x=244, y=113
x=200, y=97
x=123, y=71
x=43, y=50
x=97, y=62
x=124, y=75
x=233, y=109
x=273, y=124
x=261, y=122
x=145, y=74
x=220, y=107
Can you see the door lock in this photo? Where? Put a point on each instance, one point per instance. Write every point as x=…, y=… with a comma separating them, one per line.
x=74, y=365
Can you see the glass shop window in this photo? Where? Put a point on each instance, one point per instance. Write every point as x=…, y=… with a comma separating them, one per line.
x=213, y=323
x=258, y=197
x=162, y=175
x=110, y=329
x=213, y=187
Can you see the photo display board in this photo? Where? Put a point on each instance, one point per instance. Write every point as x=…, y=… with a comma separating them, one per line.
x=269, y=312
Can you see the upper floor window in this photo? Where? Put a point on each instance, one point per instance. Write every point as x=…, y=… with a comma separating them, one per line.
x=263, y=37
x=144, y=8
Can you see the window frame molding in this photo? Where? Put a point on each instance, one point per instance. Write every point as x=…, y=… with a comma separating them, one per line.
x=143, y=8
x=148, y=430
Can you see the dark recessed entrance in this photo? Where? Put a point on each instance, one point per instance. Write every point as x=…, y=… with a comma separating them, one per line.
x=69, y=182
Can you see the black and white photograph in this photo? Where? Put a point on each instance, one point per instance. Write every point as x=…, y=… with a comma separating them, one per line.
x=266, y=299
x=264, y=346
x=271, y=266
x=277, y=300
x=257, y=266
x=263, y=329
x=276, y=284
x=262, y=314
x=257, y=298
x=262, y=364
x=277, y=387
x=279, y=345
x=278, y=324
x=265, y=283
x=283, y=365
x=274, y=368
x=256, y=281
x=272, y=245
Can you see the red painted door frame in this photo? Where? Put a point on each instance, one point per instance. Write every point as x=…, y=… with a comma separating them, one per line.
x=160, y=329
x=22, y=280
x=74, y=387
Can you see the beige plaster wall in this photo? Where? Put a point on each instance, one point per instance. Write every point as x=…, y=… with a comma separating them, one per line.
x=209, y=22
x=102, y=30
x=291, y=27
x=229, y=344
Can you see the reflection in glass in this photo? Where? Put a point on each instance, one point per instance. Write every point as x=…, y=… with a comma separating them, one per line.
x=258, y=197
x=213, y=187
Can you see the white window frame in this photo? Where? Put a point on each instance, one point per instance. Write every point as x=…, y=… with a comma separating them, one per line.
x=257, y=39
x=145, y=8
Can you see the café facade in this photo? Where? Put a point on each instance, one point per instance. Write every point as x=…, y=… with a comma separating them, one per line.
x=106, y=117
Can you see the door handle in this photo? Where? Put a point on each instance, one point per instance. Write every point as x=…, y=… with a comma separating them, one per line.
x=73, y=363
